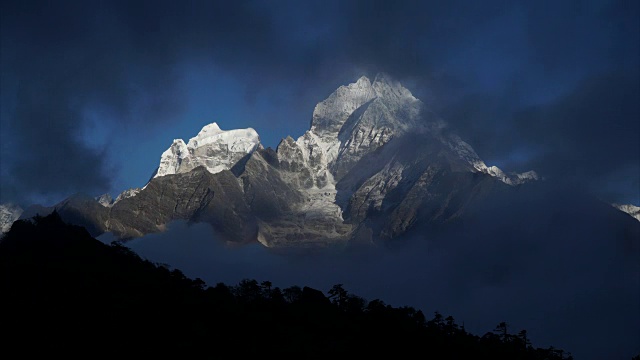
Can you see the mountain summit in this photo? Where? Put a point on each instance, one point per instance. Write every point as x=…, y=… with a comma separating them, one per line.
x=213, y=148
x=374, y=163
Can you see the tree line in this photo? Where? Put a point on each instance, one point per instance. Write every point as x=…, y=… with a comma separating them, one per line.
x=60, y=289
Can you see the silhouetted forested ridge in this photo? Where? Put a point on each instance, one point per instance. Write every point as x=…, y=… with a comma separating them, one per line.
x=63, y=291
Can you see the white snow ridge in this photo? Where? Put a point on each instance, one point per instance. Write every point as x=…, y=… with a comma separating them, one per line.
x=213, y=148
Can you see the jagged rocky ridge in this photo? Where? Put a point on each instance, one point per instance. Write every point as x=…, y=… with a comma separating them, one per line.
x=374, y=162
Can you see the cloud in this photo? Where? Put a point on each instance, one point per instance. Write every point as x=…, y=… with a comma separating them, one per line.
x=62, y=62
x=594, y=127
x=479, y=65
x=546, y=259
x=47, y=147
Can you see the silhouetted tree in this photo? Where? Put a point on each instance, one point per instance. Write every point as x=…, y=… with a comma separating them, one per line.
x=312, y=296
x=266, y=287
x=354, y=304
x=221, y=293
x=437, y=321
x=248, y=290
x=276, y=296
x=450, y=326
x=199, y=284
x=523, y=339
x=338, y=294
x=419, y=318
x=501, y=331
x=376, y=305
x=292, y=293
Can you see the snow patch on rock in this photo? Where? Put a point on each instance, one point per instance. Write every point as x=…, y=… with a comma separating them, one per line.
x=9, y=213
x=105, y=200
x=127, y=194
x=632, y=210
x=466, y=152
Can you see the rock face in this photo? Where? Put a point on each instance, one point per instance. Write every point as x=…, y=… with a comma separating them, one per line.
x=197, y=195
x=374, y=162
x=105, y=200
x=632, y=210
x=413, y=179
x=8, y=214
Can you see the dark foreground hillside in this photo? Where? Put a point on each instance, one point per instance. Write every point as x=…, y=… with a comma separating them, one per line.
x=61, y=291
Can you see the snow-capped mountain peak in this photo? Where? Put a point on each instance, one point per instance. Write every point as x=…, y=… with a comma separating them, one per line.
x=373, y=151
x=389, y=88
x=363, y=116
x=212, y=147
x=330, y=114
x=360, y=117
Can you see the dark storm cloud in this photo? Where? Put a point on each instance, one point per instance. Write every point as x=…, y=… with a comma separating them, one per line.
x=588, y=135
x=478, y=64
x=565, y=100
x=48, y=144
x=592, y=133
x=546, y=259
x=531, y=85
x=63, y=59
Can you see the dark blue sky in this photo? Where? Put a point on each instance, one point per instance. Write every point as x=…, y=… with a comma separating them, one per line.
x=93, y=92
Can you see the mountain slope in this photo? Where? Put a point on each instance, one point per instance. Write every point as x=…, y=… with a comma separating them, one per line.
x=375, y=162
x=63, y=291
